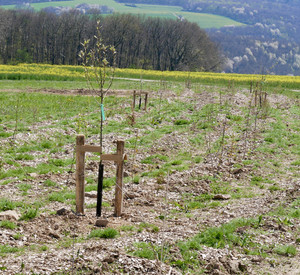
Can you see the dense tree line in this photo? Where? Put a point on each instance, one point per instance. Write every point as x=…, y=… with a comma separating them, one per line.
x=153, y=43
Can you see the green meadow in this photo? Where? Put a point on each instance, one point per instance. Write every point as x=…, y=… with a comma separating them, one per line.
x=202, y=19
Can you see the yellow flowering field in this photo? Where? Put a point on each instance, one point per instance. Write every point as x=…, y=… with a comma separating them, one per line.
x=41, y=72
x=64, y=72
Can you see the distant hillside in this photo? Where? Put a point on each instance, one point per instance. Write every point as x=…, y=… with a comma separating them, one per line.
x=267, y=41
x=21, y=2
x=270, y=41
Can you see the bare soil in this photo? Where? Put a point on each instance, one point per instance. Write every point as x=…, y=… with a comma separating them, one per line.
x=70, y=251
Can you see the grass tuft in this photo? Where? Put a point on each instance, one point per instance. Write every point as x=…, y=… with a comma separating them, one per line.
x=107, y=233
x=8, y=224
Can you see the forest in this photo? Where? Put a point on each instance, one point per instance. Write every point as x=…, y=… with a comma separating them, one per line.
x=140, y=42
x=269, y=43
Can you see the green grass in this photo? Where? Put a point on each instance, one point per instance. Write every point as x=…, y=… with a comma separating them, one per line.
x=186, y=256
x=24, y=187
x=17, y=236
x=148, y=226
x=206, y=21
x=8, y=224
x=44, y=248
x=6, y=204
x=155, y=158
x=219, y=237
x=34, y=107
x=24, y=157
x=29, y=214
x=61, y=196
x=50, y=183
x=6, y=249
x=286, y=250
x=144, y=250
x=127, y=228
x=149, y=251
x=288, y=211
x=107, y=233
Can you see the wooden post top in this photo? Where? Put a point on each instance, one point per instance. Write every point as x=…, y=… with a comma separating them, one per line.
x=80, y=140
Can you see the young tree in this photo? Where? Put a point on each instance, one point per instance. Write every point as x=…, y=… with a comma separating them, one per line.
x=98, y=60
x=99, y=64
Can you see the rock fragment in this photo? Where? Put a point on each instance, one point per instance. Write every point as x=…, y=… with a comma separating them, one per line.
x=10, y=215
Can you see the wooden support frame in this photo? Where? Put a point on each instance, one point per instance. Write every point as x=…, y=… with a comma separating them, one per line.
x=118, y=158
x=135, y=94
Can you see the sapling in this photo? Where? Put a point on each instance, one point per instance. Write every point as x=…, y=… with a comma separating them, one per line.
x=248, y=117
x=98, y=60
x=17, y=117
x=99, y=63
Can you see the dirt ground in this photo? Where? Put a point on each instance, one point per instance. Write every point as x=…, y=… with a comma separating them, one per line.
x=65, y=235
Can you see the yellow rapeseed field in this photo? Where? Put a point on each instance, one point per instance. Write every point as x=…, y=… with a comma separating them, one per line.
x=63, y=72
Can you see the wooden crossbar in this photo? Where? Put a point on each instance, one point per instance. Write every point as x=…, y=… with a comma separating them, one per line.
x=97, y=149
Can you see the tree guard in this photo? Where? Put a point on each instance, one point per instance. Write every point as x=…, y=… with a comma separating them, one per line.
x=140, y=94
x=118, y=158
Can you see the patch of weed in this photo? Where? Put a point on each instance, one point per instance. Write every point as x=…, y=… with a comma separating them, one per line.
x=61, y=162
x=150, y=251
x=274, y=188
x=144, y=250
x=109, y=182
x=181, y=122
x=136, y=179
x=17, y=236
x=226, y=234
x=24, y=157
x=148, y=227
x=44, y=248
x=5, y=249
x=29, y=214
x=286, y=250
x=61, y=196
x=107, y=233
x=50, y=183
x=6, y=204
x=91, y=187
x=24, y=187
x=8, y=224
x=198, y=159
x=296, y=163
x=126, y=228
x=155, y=158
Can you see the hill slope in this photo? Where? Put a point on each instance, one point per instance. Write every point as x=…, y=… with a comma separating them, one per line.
x=211, y=183
x=262, y=37
x=269, y=43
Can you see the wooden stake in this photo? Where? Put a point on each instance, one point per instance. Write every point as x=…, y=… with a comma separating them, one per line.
x=146, y=100
x=133, y=103
x=80, y=156
x=119, y=183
